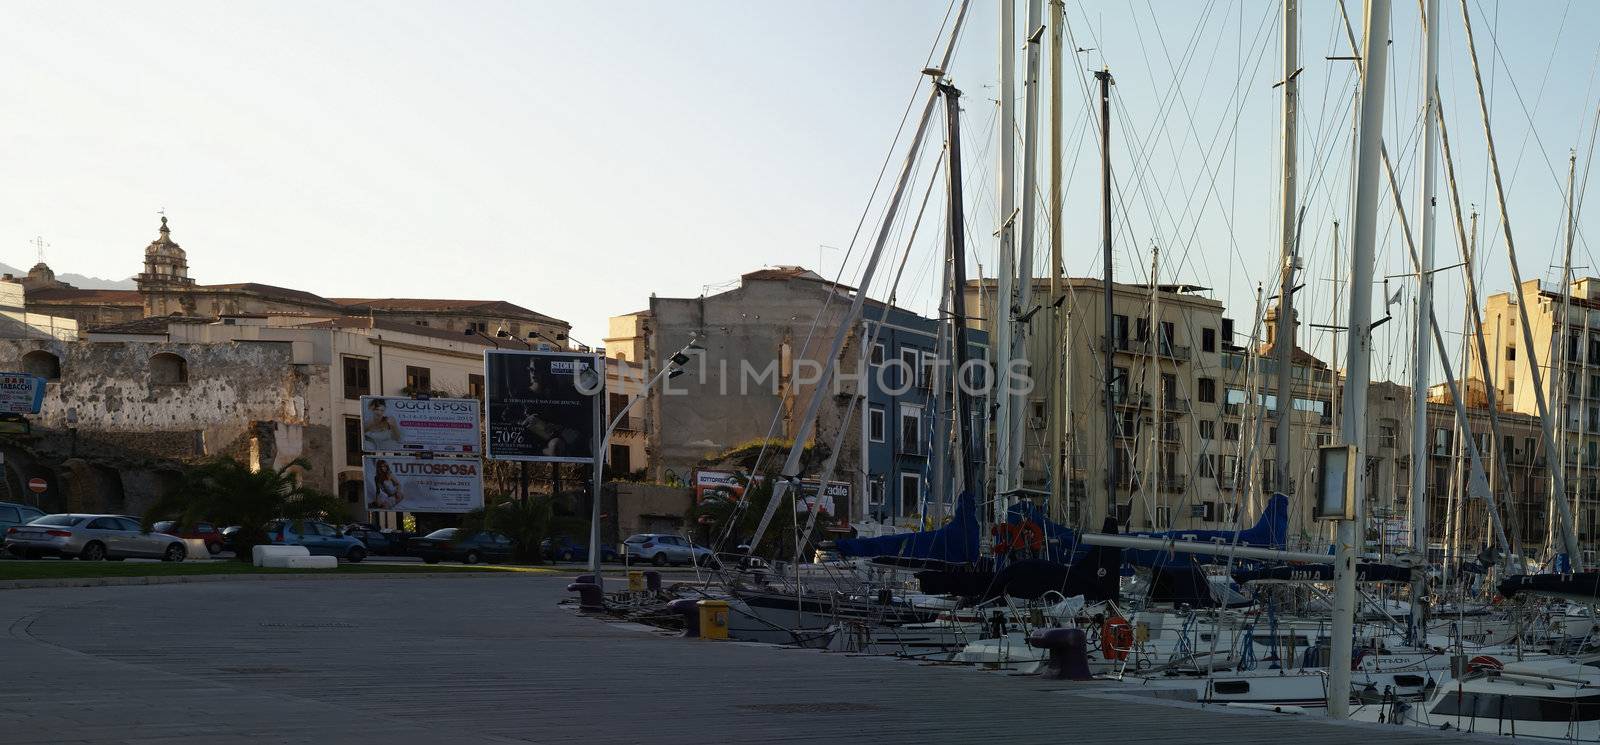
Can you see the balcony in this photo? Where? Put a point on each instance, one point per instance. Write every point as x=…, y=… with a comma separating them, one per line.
x=1143, y=348
x=631, y=423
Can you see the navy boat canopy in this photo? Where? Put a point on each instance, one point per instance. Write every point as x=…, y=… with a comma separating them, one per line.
x=955, y=542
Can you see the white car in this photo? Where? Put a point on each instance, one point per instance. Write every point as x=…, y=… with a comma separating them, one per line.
x=662, y=549
x=92, y=538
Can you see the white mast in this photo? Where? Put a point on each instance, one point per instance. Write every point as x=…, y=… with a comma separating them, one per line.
x=1056, y=350
x=1284, y=333
x=1558, y=369
x=1368, y=187
x=1020, y=408
x=1005, y=301
x=1422, y=363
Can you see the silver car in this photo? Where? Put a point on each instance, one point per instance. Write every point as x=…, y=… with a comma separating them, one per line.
x=662, y=549
x=91, y=538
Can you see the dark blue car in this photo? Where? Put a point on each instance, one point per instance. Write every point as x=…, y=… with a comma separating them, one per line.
x=566, y=549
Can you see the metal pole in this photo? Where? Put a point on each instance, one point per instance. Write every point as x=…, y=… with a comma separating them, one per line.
x=1422, y=364
x=1109, y=349
x=1021, y=411
x=1005, y=301
x=1375, y=52
x=1569, y=533
x=1284, y=341
x=967, y=465
x=602, y=438
x=1558, y=367
x=1059, y=472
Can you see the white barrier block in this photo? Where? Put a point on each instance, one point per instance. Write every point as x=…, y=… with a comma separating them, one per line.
x=312, y=562
x=259, y=553
x=197, y=549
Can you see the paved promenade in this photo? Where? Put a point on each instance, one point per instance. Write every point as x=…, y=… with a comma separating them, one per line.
x=492, y=659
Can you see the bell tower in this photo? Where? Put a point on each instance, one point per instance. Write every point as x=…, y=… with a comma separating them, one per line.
x=165, y=265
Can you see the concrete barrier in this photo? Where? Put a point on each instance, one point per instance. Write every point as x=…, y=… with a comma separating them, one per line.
x=259, y=553
x=197, y=550
x=279, y=561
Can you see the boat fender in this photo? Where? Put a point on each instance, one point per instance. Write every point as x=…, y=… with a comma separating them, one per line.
x=1116, y=638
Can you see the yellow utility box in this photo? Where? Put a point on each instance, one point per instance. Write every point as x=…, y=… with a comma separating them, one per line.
x=713, y=619
x=636, y=581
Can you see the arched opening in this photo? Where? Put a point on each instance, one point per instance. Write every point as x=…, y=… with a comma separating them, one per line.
x=43, y=364
x=168, y=369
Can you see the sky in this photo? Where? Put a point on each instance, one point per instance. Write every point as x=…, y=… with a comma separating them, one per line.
x=575, y=158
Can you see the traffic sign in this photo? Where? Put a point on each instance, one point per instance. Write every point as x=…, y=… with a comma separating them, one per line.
x=38, y=485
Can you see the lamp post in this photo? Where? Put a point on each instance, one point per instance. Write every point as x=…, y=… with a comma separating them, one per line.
x=672, y=369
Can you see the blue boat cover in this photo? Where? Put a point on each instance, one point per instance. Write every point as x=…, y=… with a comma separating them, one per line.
x=1270, y=531
x=954, y=542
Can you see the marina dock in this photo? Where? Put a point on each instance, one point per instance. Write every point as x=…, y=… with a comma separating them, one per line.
x=494, y=659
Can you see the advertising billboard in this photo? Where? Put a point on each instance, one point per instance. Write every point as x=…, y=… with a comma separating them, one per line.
x=20, y=393
x=422, y=484
x=729, y=485
x=543, y=406
x=396, y=424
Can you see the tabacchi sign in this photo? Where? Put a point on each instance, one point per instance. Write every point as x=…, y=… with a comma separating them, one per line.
x=20, y=393
x=419, y=485
x=394, y=424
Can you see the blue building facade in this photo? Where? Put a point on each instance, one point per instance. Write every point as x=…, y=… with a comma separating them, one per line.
x=900, y=415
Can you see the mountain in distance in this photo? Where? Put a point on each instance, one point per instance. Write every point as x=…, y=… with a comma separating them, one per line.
x=78, y=280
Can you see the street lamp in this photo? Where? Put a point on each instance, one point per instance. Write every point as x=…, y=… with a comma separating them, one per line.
x=672, y=369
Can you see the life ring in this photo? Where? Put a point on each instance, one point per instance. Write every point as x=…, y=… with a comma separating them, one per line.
x=1116, y=638
x=1484, y=662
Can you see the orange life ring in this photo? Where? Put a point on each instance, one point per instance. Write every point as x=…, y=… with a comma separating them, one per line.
x=1116, y=638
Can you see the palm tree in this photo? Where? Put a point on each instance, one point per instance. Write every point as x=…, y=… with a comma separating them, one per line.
x=227, y=492
x=525, y=522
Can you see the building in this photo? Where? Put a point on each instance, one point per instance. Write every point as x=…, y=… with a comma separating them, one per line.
x=764, y=343
x=265, y=374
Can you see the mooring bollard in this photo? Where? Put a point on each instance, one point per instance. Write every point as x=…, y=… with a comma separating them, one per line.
x=590, y=598
x=652, y=581
x=1069, y=653
x=690, y=610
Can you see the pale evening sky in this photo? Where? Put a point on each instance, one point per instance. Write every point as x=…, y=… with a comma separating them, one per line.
x=576, y=157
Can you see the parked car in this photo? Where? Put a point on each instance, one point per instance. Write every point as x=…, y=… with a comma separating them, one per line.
x=200, y=531
x=661, y=549
x=566, y=549
x=447, y=544
x=92, y=538
x=228, y=534
x=379, y=541
x=320, y=538
x=13, y=514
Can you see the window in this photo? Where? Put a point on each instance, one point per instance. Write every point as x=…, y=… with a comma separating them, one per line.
x=357, y=378
x=103, y=523
x=1500, y=707
x=875, y=424
x=1208, y=340
x=1169, y=389
x=1141, y=329
x=475, y=386
x=1272, y=435
x=1511, y=353
x=876, y=355
x=621, y=459
x=875, y=491
x=1208, y=429
x=1227, y=333
x=43, y=364
x=168, y=369
x=478, y=326
x=1163, y=517
x=910, y=494
x=1119, y=330
x=420, y=323
x=10, y=514
x=910, y=365
x=1441, y=441
x=1207, y=390
x=419, y=380
x=1386, y=435
x=1119, y=384
x=1230, y=514
x=910, y=429
x=1167, y=333
x=130, y=526
x=1207, y=466
x=1230, y=431
x=930, y=368
x=352, y=441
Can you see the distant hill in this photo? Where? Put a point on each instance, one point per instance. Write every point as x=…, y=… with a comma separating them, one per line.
x=79, y=280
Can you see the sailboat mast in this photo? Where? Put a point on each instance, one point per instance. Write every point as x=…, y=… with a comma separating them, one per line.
x=1058, y=469
x=1005, y=303
x=958, y=295
x=1021, y=411
x=1104, y=76
x=1369, y=186
x=1558, y=367
x=1421, y=364
x=1284, y=341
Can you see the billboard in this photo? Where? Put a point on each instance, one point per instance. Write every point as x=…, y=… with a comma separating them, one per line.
x=543, y=406
x=20, y=393
x=422, y=484
x=396, y=424
x=727, y=485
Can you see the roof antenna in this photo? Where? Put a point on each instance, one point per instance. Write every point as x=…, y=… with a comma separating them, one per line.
x=39, y=245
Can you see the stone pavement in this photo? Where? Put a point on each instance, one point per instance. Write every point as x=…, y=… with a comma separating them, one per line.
x=491, y=659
